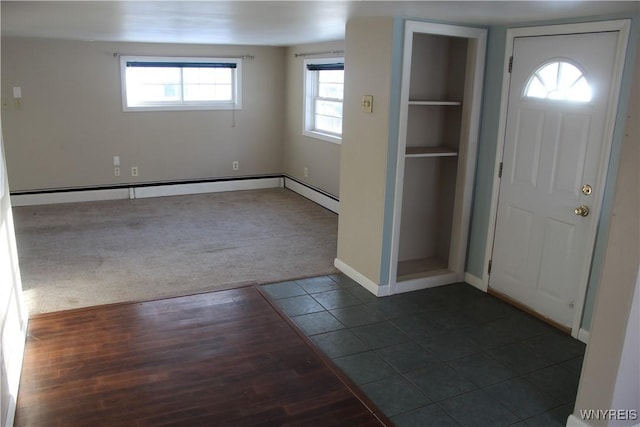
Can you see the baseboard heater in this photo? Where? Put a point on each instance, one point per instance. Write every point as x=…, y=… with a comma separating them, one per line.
x=176, y=188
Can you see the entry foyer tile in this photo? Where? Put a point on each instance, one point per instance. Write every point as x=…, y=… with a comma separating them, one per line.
x=317, y=323
x=519, y=358
x=302, y=304
x=522, y=398
x=357, y=315
x=339, y=343
x=439, y=383
x=482, y=370
x=365, y=367
x=336, y=299
x=475, y=361
x=556, y=381
x=555, y=346
x=379, y=335
x=427, y=416
x=477, y=408
x=451, y=345
x=283, y=290
x=314, y=285
x=556, y=417
x=409, y=356
x=395, y=395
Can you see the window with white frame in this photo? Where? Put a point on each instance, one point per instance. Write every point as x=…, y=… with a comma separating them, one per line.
x=324, y=88
x=175, y=83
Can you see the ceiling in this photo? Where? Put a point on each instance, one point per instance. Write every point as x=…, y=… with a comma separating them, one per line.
x=281, y=23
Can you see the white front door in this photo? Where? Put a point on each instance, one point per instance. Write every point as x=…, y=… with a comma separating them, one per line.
x=552, y=169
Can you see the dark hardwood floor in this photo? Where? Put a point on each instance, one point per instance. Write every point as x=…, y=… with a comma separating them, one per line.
x=226, y=358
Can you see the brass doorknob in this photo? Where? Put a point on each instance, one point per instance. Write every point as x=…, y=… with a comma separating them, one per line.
x=581, y=210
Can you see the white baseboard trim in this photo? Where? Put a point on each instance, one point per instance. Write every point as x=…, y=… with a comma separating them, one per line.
x=361, y=279
x=11, y=409
x=583, y=336
x=475, y=281
x=145, y=191
x=447, y=277
x=206, y=187
x=313, y=195
x=69, y=197
x=574, y=421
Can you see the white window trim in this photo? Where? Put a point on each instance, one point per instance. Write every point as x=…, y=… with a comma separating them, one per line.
x=193, y=105
x=309, y=89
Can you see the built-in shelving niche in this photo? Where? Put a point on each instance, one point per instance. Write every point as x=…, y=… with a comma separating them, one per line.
x=440, y=103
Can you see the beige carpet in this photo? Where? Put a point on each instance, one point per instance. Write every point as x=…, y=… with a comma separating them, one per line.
x=85, y=254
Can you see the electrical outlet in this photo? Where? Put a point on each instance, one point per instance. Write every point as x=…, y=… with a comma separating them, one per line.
x=306, y=172
x=116, y=171
x=134, y=171
x=235, y=165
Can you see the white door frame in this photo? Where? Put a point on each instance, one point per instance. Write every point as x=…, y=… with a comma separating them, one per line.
x=621, y=26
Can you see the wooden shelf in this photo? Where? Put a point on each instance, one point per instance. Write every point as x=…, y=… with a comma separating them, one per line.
x=425, y=267
x=430, y=152
x=434, y=103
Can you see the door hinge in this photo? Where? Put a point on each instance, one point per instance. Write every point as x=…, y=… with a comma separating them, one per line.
x=489, y=267
x=500, y=170
x=510, y=63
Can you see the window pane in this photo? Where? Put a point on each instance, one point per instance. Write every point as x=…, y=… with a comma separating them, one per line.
x=331, y=76
x=330, y=84
x=536, y=89
x=560, y=81
x=567, y=75
x=330, y=90
x=207, y=84
x=580, y=91
x=328, y=124
x=153, y=85
x=328, y=116
x=548, y=76
x=329, y=108
x=153, y=75
x=207, y=92
x=207, y=75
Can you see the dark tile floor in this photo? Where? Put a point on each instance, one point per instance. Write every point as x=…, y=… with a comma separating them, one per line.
x=446, y=356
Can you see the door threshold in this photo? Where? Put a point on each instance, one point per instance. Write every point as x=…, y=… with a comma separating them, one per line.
x=529, y=310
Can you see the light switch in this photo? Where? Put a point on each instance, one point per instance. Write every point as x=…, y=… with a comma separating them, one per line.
x=367, y=103
x=17, y=92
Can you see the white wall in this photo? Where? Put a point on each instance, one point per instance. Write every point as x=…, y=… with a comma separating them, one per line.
x=365, y=141
x=626, y=393
x=71, y=123
x=611, y=361
x=13, y=317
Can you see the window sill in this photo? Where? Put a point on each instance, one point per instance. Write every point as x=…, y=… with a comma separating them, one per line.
x=323, y=136
x=228, y=107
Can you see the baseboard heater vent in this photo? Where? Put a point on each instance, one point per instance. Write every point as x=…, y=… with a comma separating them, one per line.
x=314, y=194
x=161, y=189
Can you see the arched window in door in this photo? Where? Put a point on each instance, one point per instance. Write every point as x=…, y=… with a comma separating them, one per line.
x=558, y=80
